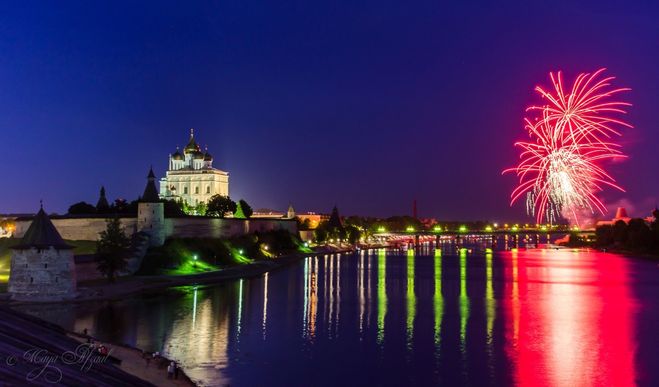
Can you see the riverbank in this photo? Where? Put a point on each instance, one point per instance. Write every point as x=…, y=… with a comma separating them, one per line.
x=133, y=362
x=36, y=352
x=102, y=290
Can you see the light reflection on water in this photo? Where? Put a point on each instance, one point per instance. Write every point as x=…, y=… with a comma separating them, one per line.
x=457, y=316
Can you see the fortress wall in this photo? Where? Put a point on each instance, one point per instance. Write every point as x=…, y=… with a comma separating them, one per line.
x=264, y=225
x=203, y=227
x=85, y=229
x=223, y=228
x=89, y=228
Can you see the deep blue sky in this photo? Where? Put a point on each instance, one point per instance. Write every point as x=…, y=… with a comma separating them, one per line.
x=366, y=105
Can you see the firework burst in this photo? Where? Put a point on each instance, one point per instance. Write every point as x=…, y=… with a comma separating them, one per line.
x=560, y=169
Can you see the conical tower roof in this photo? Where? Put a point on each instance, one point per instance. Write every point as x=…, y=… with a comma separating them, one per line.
x=150, y=192
x=42, y=234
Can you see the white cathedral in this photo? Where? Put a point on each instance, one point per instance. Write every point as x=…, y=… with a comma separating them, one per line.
x=191, y=177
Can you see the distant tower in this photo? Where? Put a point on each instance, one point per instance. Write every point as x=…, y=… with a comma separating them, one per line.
x=335, y=219
x=102, y=205
x=42, y=264
x=151, y=213
x=290, y=214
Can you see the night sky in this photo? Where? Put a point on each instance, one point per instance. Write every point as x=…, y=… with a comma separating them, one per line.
x=367, y=106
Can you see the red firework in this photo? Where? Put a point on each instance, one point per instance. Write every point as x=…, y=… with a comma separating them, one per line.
x=560, y=169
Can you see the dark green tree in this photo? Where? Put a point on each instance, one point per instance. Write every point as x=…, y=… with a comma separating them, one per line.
x=112, y=249
x=246, y=208
x=638, y=235
x=219, y=206
x=82, y=208
x=620, y=233
x=353, y=234
x=605, y=235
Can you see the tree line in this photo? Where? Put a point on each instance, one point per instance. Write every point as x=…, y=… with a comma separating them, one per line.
x=217, y=206
x=637, y=235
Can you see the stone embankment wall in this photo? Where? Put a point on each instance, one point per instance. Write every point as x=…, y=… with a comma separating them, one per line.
x=189, y=227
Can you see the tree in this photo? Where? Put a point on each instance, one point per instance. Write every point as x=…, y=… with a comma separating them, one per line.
x=604, y=235
x=219, y=206
x=201, y=208
x=247, y=209
x=82, y=208
x=172, y=208
x=638, y=234
x=112, y=249
x=122, y=206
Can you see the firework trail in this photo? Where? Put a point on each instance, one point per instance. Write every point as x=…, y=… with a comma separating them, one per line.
x=571, y=135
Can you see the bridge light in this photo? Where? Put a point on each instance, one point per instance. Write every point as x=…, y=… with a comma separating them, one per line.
x=488, y=228
x=463, y=228
x=409, y=229
x=437, y=229
x=515, y=228
x=543, y=228
x=381, y=229
x=496, y=225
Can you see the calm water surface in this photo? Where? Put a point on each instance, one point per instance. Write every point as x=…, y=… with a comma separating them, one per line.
x=455, y=317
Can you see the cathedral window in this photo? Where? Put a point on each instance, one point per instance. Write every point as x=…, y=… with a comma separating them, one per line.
x=208, y=189
x=196, y=190
x=185, y=190
x=45, y=266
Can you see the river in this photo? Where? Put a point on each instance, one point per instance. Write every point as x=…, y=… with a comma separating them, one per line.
x=451, y=316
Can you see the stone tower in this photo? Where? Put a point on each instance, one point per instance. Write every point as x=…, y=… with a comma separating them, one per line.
x=42, y=264
x=151, y=213
x=290, y=214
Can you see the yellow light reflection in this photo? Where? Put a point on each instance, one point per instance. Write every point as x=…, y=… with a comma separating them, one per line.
x=464, y=302
x=490, y=310
x=438, y=299
x=240, y=305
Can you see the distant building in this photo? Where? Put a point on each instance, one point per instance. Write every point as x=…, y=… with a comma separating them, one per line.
x=42, y=264
x=621, y=215
x=313, y=218
x=190, y=176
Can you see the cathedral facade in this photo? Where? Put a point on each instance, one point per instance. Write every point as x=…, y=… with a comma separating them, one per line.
x=190, y=176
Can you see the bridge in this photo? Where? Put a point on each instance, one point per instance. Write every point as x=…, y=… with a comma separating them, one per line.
x=528, y=234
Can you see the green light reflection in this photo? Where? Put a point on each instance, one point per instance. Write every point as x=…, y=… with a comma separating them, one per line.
x=411, y=298
x=382, y=294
